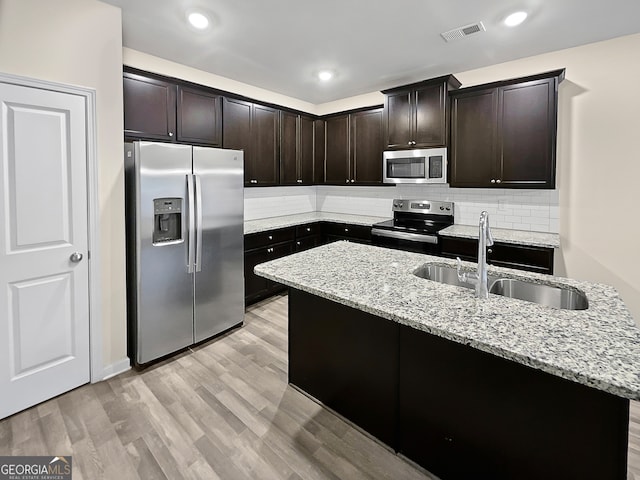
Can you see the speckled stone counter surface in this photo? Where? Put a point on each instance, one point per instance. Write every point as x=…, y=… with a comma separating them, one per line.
x=517, y=237
x=264, y=224
x=598, y=347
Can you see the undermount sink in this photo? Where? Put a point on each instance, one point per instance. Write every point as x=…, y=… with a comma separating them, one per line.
x=559, y=297
x=549, y=295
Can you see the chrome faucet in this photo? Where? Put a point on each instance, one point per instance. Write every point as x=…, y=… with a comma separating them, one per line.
x=479, y=278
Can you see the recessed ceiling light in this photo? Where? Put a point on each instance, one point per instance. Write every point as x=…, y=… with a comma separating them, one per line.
x=325, y=75
x=198, y=20
x=515, y=19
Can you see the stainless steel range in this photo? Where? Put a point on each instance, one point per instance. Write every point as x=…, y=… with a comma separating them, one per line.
x=415, y=226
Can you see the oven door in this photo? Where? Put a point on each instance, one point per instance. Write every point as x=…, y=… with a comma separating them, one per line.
x=409, y=242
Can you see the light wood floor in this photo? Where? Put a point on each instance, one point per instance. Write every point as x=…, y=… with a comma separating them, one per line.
x=222, y=411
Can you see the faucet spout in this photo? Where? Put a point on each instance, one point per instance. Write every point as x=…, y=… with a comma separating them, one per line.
x=485, y=239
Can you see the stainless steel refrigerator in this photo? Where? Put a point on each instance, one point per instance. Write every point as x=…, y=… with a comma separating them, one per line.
x=185, y=275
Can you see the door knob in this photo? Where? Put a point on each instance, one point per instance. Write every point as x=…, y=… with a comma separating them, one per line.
x=75, y=257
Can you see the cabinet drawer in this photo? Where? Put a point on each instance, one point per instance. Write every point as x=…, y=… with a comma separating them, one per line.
x=305, y=243
x=260, y=239
x=308, y=230
x=347, y=230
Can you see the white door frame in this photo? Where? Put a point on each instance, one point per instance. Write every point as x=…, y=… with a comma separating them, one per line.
x=93, y=257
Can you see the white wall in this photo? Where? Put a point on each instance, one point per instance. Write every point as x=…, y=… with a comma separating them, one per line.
x=79, y=42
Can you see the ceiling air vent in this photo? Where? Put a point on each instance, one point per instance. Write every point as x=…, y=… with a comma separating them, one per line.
x=462, y=32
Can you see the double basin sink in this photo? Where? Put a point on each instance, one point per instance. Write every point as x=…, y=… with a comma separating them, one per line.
x=561, y=297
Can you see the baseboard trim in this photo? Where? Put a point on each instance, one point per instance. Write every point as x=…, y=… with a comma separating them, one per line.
x=116, y=368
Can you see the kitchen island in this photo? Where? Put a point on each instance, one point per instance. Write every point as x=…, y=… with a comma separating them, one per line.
x=497, y=388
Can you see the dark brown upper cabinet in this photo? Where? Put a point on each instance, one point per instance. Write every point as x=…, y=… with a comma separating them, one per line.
x=353, y=148
x=417, y=115
x=296, y=149
x=503, y=134
x=254, y=129
x=336, y=163
x=149, y=108
x=366, y=146
x=319, y=126
x=158, y=109
x=199, y=117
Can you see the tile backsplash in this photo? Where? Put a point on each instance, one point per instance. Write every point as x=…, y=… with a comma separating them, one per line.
x=264, y=202
x=535, y=210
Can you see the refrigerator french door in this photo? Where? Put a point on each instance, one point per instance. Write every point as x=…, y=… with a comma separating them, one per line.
x=185, y=275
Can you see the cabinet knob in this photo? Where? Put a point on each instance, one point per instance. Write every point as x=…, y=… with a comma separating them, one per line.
x=270, y=237
x=489, y=250
x=498, y=181
x=171, y=134
x=308, y=229
x=347, y=180
x=299, y=181
x=298, y=243
x=352, y=180
x=346, y=229
x=493, y=180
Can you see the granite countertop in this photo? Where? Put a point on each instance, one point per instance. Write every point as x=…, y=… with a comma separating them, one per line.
x=517, y=237
x=598, y=347
x=271, y=223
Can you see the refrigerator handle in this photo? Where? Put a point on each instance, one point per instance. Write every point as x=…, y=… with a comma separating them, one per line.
x=191, y=234
x=198, y=261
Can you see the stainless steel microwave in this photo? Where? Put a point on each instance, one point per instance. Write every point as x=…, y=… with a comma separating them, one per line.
x=427, y=165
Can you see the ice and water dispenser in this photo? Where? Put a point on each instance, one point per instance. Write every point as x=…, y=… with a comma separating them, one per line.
x=167, y=220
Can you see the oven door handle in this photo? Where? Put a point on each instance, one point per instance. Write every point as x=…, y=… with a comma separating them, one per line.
x=413, y=237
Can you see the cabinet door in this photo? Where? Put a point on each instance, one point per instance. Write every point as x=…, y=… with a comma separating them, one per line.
x=399, y=119
x=236, y=132
x=337, y=151
x=254, y=285
x=430, y=114
x=265, y=137
x=318, y=151
x=288, y=148
x=473, y=139
x=199, y=117
x=306, y=165
x=527, y=126
x=366, y=146
x=347, y=359
x=149, y=108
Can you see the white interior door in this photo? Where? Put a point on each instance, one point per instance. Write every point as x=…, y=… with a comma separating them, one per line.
x=44, y=288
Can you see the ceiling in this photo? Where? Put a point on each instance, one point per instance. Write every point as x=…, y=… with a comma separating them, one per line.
x=281, y=45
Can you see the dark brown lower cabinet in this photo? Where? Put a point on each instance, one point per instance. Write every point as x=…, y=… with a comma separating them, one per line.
x=457, y=411
x=347, y=359
x=520, y=257
x=268, y=245
x=346, y=231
